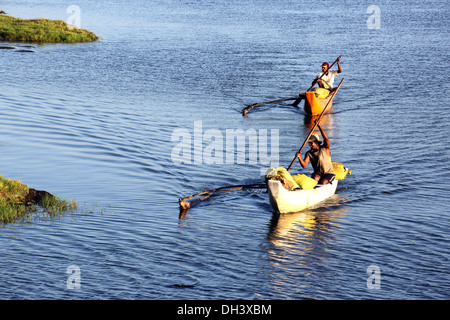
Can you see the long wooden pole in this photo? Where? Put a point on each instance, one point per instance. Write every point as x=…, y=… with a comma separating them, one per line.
x=316, y=123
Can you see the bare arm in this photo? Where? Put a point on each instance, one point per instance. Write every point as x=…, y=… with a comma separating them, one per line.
x=326, y=141
x=303, y=162
x=339, y=65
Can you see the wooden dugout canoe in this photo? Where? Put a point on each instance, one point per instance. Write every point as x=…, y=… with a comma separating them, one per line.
x=287, y=201
x=314, y=105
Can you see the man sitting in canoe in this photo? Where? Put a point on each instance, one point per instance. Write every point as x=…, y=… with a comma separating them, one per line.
x=325, y=79
x=320, y=157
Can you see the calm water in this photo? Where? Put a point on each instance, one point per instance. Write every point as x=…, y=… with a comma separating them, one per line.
x=95, y=123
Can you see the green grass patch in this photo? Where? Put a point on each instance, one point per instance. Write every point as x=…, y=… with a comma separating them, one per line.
x=54, y=204
x=18, y=200
x=42, y=30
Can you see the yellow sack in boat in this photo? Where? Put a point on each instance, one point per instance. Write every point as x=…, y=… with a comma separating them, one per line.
x=304, y=181
x=297, y=181
x=286, y=178
x=340, y=171
x=321, y=93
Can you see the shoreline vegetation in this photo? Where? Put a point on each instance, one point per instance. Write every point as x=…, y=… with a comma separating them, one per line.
x=41, y=31
x=18, y=200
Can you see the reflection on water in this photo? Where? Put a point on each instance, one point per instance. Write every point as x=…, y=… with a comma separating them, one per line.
x=326, y=120
x=285, y=229
x=300, y=248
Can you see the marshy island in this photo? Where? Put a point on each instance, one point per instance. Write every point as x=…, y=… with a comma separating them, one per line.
x=41, y=30
x=18, y=200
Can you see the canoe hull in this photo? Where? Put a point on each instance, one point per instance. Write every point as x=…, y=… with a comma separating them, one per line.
x=315, y=106
x=286, y=201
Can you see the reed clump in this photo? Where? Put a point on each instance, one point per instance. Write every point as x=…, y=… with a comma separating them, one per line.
x=18, y=200
x=42, y=30
x=53, y=204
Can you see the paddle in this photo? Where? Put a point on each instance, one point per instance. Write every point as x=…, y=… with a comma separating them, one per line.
x=316, y=123
x=298, y=100
x=188, y=202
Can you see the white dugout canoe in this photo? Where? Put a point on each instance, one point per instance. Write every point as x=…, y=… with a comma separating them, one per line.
x=286, y=201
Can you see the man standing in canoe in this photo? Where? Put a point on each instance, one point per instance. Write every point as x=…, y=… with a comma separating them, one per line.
x=325, y=79
x=320, y=157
